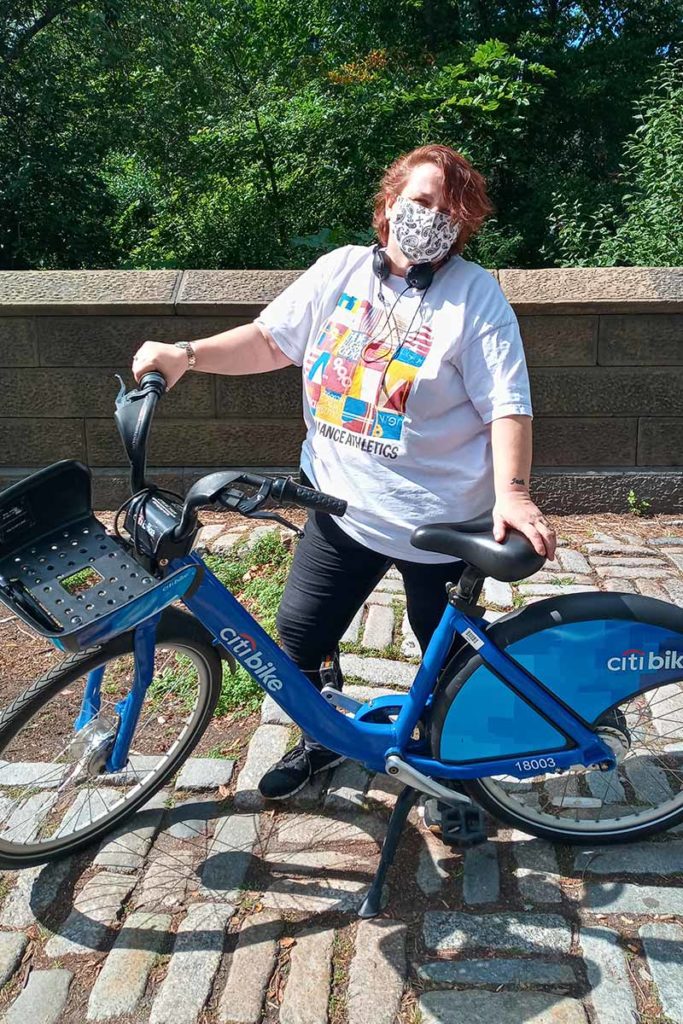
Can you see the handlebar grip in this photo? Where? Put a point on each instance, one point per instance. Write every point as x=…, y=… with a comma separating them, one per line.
x=308, y=497
x=153, y=381
x=252, y=480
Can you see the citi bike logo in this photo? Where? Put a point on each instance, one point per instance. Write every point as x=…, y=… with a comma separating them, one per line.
x=244, y=648
x=635, y=660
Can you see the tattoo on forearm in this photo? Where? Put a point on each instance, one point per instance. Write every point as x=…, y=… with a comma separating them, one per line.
x=517, y=480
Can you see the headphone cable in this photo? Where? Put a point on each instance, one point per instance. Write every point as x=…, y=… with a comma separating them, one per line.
x=394, y=351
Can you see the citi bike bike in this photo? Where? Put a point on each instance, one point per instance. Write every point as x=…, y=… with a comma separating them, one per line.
x=563, y=719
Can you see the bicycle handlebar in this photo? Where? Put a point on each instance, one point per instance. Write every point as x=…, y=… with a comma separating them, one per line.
x=133, y=415
x=288, y=492
x=153, y=381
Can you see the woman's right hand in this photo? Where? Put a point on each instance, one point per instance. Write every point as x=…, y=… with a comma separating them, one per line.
x=168, y=360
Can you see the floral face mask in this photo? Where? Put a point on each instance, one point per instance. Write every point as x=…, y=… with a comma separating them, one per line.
x=423, y=236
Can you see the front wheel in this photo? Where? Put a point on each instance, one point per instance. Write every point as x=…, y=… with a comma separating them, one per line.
x=617, y=660
x=54, y=796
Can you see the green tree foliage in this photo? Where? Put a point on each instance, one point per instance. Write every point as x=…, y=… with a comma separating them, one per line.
x=642, y=226
x=245, y=133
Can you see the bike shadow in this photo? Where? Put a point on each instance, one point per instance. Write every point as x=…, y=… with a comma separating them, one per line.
x=322, y=887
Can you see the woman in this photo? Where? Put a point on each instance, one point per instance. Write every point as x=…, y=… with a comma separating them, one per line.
x=416, y=400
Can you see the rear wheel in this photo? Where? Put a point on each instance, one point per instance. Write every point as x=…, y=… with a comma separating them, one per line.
x=54, y=795
x=643, y=795
x=611, y=657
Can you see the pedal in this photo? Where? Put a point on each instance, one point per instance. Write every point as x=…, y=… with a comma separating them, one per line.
x=456, y=826
x=330, y=672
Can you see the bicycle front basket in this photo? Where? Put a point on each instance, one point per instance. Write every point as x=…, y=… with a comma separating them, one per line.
x=62, y=573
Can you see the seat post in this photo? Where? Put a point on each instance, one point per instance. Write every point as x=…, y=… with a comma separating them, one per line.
x=465, y=593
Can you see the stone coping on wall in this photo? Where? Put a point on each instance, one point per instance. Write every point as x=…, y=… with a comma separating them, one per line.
x=594, y=289
x=88, y=291
x=240, y=292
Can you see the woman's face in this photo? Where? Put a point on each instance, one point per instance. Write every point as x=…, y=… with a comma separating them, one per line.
x=421, y=226
x=424, y=186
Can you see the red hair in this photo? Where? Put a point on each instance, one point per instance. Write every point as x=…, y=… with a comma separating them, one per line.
x=464, y=190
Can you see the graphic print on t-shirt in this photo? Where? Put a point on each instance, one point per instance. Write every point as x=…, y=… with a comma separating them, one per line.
x=359, y=373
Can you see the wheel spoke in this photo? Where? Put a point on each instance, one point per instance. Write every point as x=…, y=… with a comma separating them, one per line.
x=652, y=776
x=64, y=792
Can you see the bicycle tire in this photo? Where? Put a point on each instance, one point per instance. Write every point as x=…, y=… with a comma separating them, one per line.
x=573, y=612
x=176, y=630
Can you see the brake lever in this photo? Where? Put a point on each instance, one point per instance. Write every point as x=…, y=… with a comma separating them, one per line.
x=250, y=507
x=278, y=519
x=230, y=499
x=236, y=501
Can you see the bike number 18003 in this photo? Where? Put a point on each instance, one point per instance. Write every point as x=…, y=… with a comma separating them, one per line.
x=535, y=763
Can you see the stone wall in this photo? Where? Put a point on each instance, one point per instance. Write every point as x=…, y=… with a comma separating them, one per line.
x=604, y=348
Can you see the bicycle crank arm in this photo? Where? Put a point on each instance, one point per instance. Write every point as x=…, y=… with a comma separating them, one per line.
x=341, y=700
x=398, y=768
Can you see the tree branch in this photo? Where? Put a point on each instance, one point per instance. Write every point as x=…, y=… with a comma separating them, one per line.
x=26, y=35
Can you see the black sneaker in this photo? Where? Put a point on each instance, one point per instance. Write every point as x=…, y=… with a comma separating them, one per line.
x=294, y=770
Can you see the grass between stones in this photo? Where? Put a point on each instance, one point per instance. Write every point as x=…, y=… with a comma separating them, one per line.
x=342, y=954
x=392, y=651
x=293, y=737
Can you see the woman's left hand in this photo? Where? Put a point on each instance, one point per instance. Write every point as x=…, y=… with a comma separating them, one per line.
x=518, y=511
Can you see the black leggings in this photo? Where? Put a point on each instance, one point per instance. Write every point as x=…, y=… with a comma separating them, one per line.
x=330, y=578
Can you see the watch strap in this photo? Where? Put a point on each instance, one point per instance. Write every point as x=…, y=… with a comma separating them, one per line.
x=189, y=351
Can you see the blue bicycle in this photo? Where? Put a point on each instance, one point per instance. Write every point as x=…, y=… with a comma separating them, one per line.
x=563, y=719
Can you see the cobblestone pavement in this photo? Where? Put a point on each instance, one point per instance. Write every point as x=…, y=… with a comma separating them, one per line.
x=216, y=908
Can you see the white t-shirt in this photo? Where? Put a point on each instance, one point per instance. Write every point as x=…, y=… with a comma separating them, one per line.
x=398, y=405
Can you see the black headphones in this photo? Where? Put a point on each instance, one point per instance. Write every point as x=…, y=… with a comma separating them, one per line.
x=418, y=275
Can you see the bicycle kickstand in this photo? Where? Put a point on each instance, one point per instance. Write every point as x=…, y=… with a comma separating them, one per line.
x=372, y=904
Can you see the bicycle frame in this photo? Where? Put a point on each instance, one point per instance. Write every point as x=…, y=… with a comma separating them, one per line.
x=371, y=743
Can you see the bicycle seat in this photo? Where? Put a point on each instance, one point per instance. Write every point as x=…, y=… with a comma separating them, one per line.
x=473, y=542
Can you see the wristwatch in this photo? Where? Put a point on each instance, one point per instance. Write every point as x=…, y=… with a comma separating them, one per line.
x=190, y=352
